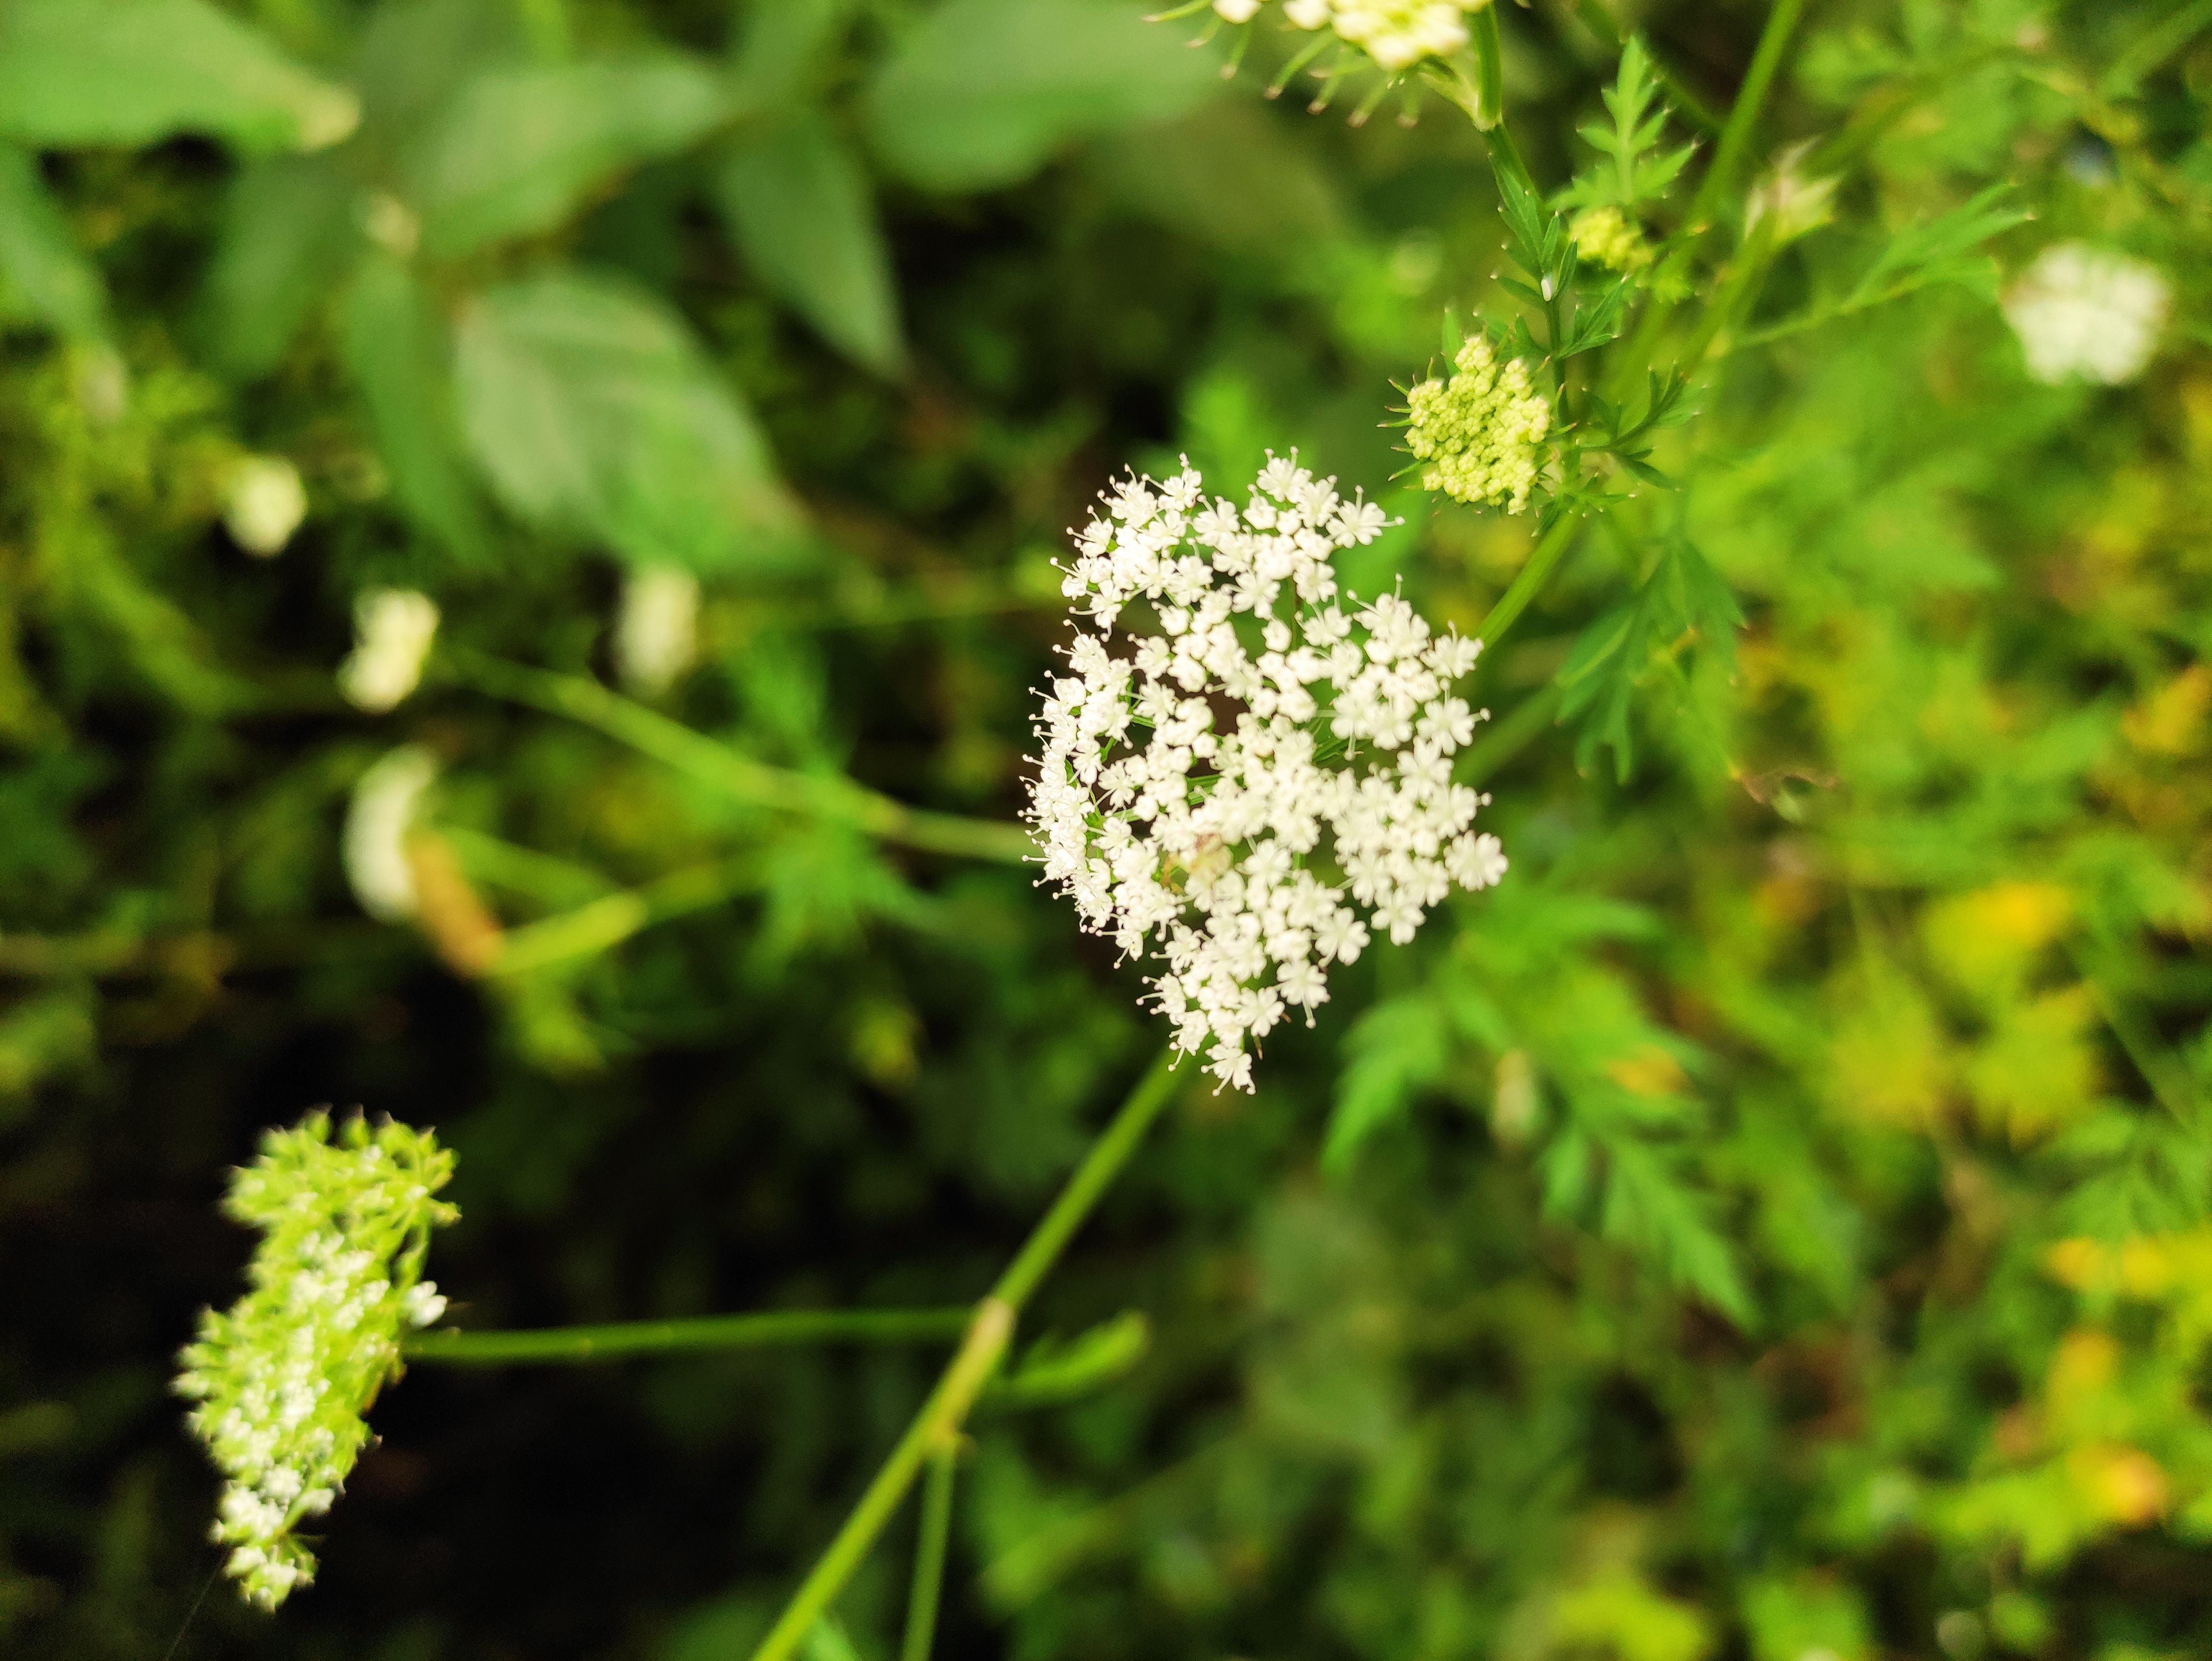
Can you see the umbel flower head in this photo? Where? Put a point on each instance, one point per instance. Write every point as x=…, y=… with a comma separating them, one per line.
x=2086, y=311
x=1265, y=773
x=1480, y=434
x=283, y=1377
x=1397, y=34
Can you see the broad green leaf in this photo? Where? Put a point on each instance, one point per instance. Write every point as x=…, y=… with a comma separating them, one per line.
x=520, y=149
x=396, y=351
x=43, y=274
x=799, y=203
x=286, y=231
x=592, y=410
x=1228, y=174
x=981, y=93
x=783, y=50
x=134, y=71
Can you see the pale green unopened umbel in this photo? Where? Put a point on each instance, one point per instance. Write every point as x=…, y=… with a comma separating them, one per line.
x=283, y=1378
x=1480, y=434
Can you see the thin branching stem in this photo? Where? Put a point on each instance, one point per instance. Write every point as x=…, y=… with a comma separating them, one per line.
x=929, y=1550
x=990, y=1330
x=706, y=1332
x=834, y=800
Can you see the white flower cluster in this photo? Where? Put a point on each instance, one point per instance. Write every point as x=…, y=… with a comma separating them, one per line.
x=283, y=1378
x=392, y=629
x=657, y=631
x=2082, y=311
x=1193, y=794
x=386, y=800
x=1397, y=34
x=263, y=503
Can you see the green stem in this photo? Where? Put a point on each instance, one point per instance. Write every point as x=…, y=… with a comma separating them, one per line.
x=929, y=1553
x=1509, y=737
x=2160, y=43
x=706, y=1332
x=947, y=1410
x=1743, y=115
x=592, y=928
x=1531, y=578
x=836, y=799
x=1735, y=139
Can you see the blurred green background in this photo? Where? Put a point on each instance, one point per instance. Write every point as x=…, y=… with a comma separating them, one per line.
x=1776, y=1224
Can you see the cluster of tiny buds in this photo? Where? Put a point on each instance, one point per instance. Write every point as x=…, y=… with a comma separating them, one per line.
x=1266, y=775
x=281, y=1378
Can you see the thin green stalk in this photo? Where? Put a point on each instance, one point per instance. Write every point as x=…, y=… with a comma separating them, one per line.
x=929, y=1552
x=706, y=1332
x=992, y=1328
x=598, y=924
x=836, y=799
x=1743, y=115
x=1531, y=578
x=1735, y=139
x=940, y=1417
x=2157, y=43
x=1509, y=737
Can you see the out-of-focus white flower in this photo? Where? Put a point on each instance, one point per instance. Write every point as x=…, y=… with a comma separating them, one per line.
x=385, y=802
x=1480, y=434
x=656, y=635
x=283, y=1378
x=1192, y=795
x=1397, y=34
x=2086, y=311
x=392, y=629
x=263, y=503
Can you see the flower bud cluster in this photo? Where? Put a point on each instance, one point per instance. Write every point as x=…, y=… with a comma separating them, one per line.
x=1267, y=774
x=283, y=1378
x=1481, y=432
x=392, y=631
x=1606, y=236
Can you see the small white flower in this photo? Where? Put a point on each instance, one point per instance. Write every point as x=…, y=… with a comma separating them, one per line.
x=378, y=822
x=656, y=635
x=1195, y=800
x=2081, y=311
x=393, y=631
x=264, y=502
x=1236, y=11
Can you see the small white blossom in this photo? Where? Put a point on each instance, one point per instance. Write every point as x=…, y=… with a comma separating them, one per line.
x=392, y=631
x=283, y=1378
x=2082, y=311
x=378, y=820
x=656, y=636
x=264, y=502
x=1214, y=804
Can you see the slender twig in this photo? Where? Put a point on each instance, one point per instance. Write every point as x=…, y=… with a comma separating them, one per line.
x=929, y=1552
x=1531, y=578
x=706, y=1332
x=989, y=1333
x=2153, y=48
x=594, y=927
x=835, y=798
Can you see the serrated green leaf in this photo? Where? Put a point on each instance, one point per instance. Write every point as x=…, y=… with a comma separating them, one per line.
x=799, y=203
x=135, y=71
x=983, y=93
x=520, y=149
x=592, y=411
x=44, y=275
x=396, y=347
